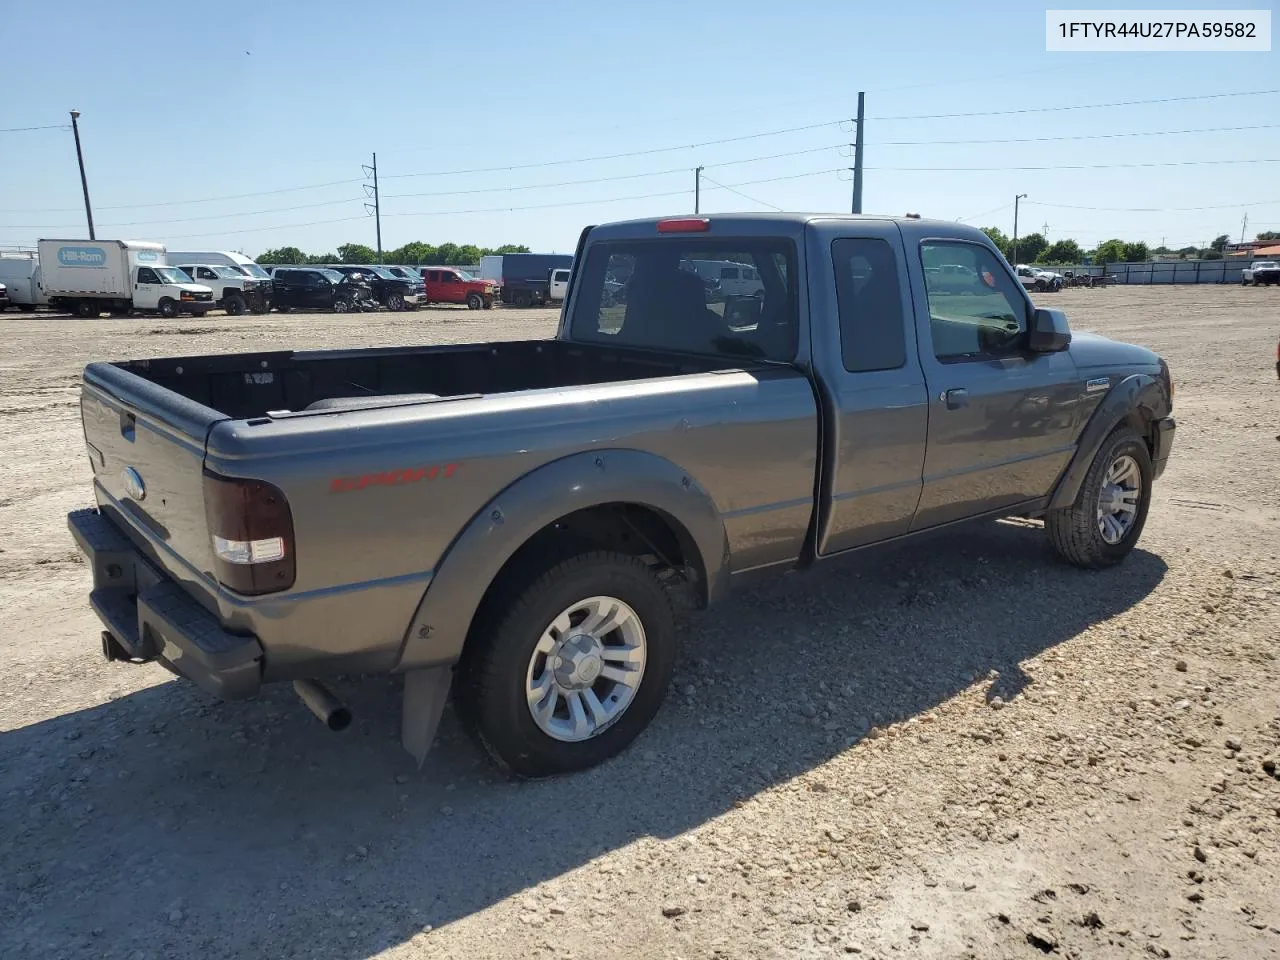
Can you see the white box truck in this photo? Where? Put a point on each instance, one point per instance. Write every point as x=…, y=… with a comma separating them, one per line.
x=118, y=276
x=20, y=273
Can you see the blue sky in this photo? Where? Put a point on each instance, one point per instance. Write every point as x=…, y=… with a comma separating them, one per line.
x=257, y=98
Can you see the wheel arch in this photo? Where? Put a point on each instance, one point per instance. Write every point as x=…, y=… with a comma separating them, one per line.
x=624, y=500
x=1138, y=400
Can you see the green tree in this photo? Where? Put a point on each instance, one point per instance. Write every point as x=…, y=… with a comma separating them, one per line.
x=505, y=248
x=323, y=258
x=1162, y=250
x=468, y=253
x=1110, y=251
x=356, y=253
x=997, y=237
x=447, y=253
x=1029, y=248
x=1210, y=254
x=1061, y=252
x=414, y=252
x=282, y=255
x=1220, y=242
x=1268, y=235
x=1136, y=252
x=1185, y=252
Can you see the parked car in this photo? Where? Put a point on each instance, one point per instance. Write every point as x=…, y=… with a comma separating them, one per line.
x=316, y=288
x=518, y=520
x=1033, y=278
x=1260, y=272
x=232, y=290
x=727, y=278
x=20, y=273
x=390, y=290
x=559, y=287
x=89, y=277
x=451, y=285
x=4, y=298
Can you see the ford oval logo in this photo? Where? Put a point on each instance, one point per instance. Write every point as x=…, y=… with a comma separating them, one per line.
x=133, y=483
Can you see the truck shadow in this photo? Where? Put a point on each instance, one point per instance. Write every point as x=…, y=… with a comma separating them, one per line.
x=163, y=819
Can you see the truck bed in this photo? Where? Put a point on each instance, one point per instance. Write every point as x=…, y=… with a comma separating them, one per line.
x=247, y=385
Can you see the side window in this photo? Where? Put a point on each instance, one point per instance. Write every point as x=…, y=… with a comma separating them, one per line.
x=869, y=294
x=147, y=275
x=206, y=274
x=975, y=308
x=728, y=273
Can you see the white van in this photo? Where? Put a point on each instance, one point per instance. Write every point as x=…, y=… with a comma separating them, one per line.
x=227, y=258
x=20, y=272
x=727, y=278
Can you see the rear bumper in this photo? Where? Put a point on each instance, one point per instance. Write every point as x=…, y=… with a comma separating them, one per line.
x=1162, y=442
x=149, y=616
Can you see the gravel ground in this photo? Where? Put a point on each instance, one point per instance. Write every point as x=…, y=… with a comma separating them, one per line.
x=964, y=749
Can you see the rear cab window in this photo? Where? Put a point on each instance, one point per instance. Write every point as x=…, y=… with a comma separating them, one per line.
x=641, y=293
x=869, y=296
x=976, y=309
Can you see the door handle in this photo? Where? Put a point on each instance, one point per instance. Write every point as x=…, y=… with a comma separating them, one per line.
x=956, y=398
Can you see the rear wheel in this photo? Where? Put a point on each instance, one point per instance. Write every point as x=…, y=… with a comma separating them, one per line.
x=395, y=302
x=1104, y=523
x=524, y=298
x=168, y=309
x=87, y=309
x=236, y=306
x=27, y=307
x=567, y=664
x=475, y=301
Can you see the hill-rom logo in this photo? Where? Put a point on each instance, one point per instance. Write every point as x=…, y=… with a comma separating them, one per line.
x=82, y=256
x=148, y=256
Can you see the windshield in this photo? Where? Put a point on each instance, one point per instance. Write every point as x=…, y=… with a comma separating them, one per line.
x=463, y=274
x=226, y=273
x=1265, y=265
x=382, y=272
x=172, y=275
x=333, y=276
x=253, y=270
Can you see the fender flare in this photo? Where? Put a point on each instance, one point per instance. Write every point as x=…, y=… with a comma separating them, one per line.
x=1138, y=391
x=439, y=626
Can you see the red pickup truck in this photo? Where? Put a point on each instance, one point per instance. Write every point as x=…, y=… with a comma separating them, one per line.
x=451, y=285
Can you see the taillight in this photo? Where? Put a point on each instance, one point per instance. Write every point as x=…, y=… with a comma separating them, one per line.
x=684, y=225
x=252, y=531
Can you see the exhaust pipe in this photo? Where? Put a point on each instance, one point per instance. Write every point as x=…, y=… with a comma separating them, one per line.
x=333, y=713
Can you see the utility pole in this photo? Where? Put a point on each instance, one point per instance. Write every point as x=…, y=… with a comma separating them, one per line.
x=1021, y=196
x=1243, y=223
x=84, y=182
x=859, y=141
x=377, y=207
x=1044, y=230
x=697, y=190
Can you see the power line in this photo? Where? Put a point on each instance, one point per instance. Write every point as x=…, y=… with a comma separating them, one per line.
x=1078, y=106
x=763, y=203
x=1076, y=166
x=49, y=126
x=617, y=156
x=984, y=213
x=178, y=203
x=1217, y=206
x=215, y=216
x=625, y=176
x=1085, y=136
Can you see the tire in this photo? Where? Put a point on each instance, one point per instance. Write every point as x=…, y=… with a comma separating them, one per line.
x=261, y=308
x=488, y=304
x=27, y=307
x=1041, y=286
x=282, y=308
x=1244, y=282
x=475, y=301
x=168, y=309
x=502, y=658
x=87, y=309
x=395, y=303
x=524, y=298
x=1076, y=532
x=236, y=306
x=342, y=305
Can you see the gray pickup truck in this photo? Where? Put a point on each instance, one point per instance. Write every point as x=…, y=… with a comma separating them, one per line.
x=517, y=523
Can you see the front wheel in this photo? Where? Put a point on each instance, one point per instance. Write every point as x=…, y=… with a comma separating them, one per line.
x=395, y=302
x=168, y=309
x=342, y=305
x=1104, y=523
x=567, y=665
x=236, y=306
x=475, y=301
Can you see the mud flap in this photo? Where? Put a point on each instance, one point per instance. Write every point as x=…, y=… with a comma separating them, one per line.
x=425, y=693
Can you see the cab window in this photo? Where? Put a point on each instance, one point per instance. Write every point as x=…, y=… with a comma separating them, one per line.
x=976, y=309
x=147, y=275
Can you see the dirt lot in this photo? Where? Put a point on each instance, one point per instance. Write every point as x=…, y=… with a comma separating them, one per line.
x=966, y=749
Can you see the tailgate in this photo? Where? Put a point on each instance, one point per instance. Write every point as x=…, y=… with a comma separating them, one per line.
x=146, y=445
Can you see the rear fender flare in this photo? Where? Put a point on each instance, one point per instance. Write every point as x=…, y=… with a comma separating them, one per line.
x=439, y=627
x=1138, y=391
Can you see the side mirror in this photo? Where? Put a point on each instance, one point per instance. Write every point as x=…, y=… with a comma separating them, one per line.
x=1048, y=331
